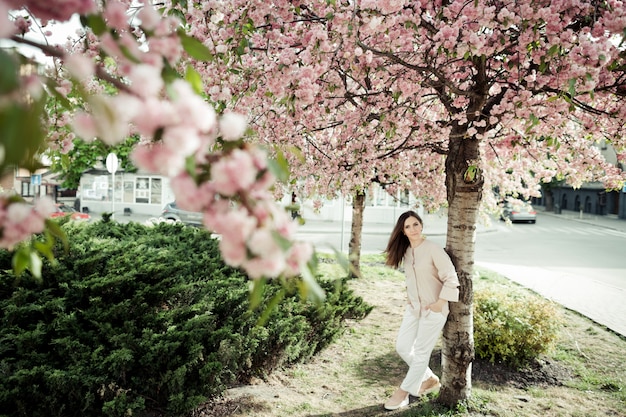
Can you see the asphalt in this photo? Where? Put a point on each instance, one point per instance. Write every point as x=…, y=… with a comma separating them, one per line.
x=576, y=290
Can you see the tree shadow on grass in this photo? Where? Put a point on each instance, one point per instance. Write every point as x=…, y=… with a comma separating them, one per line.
x=389, y=369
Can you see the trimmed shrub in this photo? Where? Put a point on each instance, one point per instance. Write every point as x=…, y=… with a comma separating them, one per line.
x=137, y=320
x=513, y=327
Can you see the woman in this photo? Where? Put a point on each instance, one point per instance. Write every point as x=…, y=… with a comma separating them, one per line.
x=431, y=282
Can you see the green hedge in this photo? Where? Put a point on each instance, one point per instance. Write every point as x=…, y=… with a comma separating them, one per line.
x=137, y=320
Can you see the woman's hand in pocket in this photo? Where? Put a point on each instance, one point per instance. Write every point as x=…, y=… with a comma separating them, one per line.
x=437, y=307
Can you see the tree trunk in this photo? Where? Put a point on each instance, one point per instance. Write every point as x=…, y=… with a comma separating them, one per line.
x=464, y=187
x=358, y=206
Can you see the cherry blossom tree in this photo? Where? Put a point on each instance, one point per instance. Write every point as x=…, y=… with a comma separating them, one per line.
x=125, y=76
x=512, y=94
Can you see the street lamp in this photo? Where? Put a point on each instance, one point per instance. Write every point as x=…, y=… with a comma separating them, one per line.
x=112, y=168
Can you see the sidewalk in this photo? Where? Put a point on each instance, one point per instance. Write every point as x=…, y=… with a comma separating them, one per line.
x=608, y=221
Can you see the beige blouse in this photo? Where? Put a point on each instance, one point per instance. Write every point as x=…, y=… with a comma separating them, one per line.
x=430, y=275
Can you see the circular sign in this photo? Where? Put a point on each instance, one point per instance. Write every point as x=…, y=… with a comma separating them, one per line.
x=112, y=163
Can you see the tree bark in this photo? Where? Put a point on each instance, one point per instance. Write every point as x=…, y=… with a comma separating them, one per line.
x=358, y=206
x=464, y=196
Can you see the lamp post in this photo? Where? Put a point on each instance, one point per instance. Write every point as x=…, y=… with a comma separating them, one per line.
x=112, y=168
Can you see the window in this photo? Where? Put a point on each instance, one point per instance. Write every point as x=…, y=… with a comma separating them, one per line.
x=142, y=190
x=28, y=190
x=129, y=192
x=155, y=191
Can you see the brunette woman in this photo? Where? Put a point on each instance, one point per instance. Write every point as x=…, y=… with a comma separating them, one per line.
x=431, y=282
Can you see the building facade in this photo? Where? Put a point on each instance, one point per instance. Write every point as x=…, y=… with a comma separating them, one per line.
x=139, y=193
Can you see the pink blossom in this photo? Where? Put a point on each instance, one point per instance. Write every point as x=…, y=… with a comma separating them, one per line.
x=233, y=173
x=128, y=41
x=115, y=14
x=233, y=252
x=264, y=267
x=149, y=17
x=64, y=87
x=110, y=46
x=182, y=140
x=79, y=66
x=51, y=10
x=298, y=255
x=22, y=25
x=6, y=28
x=18, y=212
x=85, y=126
x=263, y=244
x=45, y=207
x=146, y=80
x=234, y=225
x=34, y=224
x=112, y=115
x=189, y=195
x=67, y=144
x=232, y=126
x=158, y=158
x=154, y=114
x=19, y=220
x=191, y=108
x=168, y=47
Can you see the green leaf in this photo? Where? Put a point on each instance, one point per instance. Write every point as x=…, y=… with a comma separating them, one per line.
x=241, y=48
x=342, y=260
x=554, y=49
x=9, y=80
x=194, y=79
x=194, y=47
x=256, y=292
x=55, y=229
x=45, y=248
x=572, y=87
x=21, y=260
x=177, y=13
x=276, y=299
x=35, y=264
x=129, y=55
x=282, y=242
x=310, y=288
x=280, y=167
x=95, y=22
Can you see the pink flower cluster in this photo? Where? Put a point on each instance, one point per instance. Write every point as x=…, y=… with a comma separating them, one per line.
x=19, y=220
x=211, y=168
x=55, y=10
x=238, y=205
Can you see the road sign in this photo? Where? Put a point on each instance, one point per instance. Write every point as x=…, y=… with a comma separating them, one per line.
x=112, y=163
x=35, y=179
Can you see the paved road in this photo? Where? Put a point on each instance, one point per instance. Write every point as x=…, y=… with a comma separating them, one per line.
x=586, y=273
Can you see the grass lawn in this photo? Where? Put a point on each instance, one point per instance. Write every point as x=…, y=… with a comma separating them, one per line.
x=584, y=375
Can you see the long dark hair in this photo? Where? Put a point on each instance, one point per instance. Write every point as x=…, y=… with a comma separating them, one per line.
x=398, y=241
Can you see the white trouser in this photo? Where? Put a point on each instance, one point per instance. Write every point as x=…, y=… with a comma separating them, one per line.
x=416, y=339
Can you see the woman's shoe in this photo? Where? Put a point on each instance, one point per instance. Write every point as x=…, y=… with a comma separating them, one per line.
x=430, y=385
x=399, y=399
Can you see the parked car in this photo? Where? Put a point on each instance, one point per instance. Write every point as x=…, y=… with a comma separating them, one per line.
x=519, y=212
x=63, y=210
x=172, y=212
